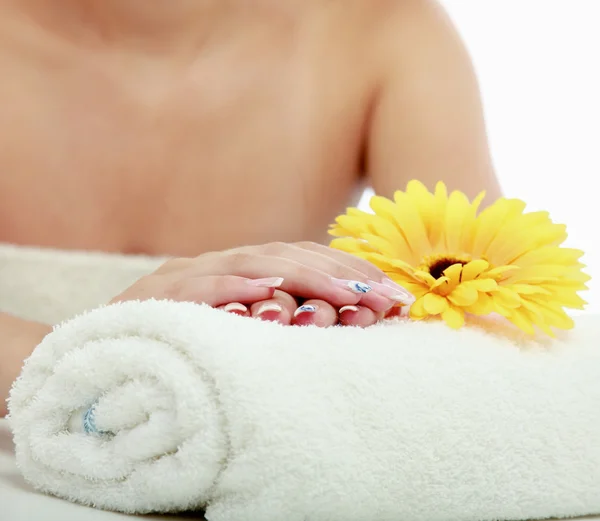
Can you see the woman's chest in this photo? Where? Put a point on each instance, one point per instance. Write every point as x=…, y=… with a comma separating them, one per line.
x=177, y=165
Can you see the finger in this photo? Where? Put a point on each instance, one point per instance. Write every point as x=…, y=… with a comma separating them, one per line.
x=218, y=290
x=398, y=311
x=359, y=316
x=391, y=291
x=174, y=264
x=278, y=309
x=320, y=258
x=343, y=268
x=300, y=280
x=236, y=308
x=368, y=269
x=375, y=277
x=376, y=301
x=317, y=313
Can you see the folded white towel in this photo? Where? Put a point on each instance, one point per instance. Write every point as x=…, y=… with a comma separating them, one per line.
x=50, y=285
x=162, y=406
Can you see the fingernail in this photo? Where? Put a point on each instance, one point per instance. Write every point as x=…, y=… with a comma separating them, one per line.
x=396, y=293
x=235, y=307
x=348, y=308
x=305, y=309
x=353, y=285
x=391, y=284
x=269, y=307
x=271, y=282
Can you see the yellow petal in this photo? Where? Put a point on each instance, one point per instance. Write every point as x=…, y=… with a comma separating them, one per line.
x=506, y=297
x=384, y=246
x=337, y=231
x=454, y=317
x=417, y=309
x=517, y=236
x=502, y=310
x=401, y=265
x=457, y=211
x=415, y=288
x=382, y=262
x=425, y=277
x=473, y=269
x=425, y=204
x=529, y=238
x=434, y=304
x=383, y=207
x=468, y=234
x=554, y=316
x=567, y=298
x=529, y=289
x=549, y=255
x=350, y=245
x=440, y=201
x=418, y=191
x=522, y=321
x=539, y=272
x=453, y=272
x=463, y=295
x=351, y=226
x=388, y=264
x=483, y=306
x=409, y=220
x=484, y=285
x=500, y=272
x=573, y=277
x=531, y=313
x=491, y=220
x=386, y=226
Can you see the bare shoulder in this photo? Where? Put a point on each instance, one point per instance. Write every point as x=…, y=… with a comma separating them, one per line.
x=403, y=31
x=402, y=40
x=426, y=113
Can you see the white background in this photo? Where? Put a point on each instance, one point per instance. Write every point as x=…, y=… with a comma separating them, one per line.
x=538, y=63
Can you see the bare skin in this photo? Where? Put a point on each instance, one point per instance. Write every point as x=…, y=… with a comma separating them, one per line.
x=194, y=126
x=253, y=125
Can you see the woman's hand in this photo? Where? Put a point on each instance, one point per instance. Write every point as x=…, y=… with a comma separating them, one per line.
x=315, y=284
x=286, y=309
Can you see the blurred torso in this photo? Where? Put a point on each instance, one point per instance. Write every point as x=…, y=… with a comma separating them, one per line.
x=252, y=138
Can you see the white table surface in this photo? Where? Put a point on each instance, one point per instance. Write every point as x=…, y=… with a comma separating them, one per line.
x=19, y=502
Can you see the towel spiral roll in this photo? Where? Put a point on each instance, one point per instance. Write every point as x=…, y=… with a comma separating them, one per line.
x=118, y=414
x=162, y=406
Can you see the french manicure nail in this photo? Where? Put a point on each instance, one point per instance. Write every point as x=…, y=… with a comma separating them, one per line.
x=269, y=307
x=396, y=293
x=353, y=285
x=271, y=282
x=391, y=284
x=348, y=308
x=235, y=307
x=307, y=308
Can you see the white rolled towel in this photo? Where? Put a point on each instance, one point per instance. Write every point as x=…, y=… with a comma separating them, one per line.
x=162, y=406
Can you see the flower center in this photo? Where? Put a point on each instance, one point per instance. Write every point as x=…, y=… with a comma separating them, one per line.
x=438, y=268
x=437, y=264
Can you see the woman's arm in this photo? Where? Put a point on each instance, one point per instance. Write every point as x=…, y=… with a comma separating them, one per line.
x=427, y=121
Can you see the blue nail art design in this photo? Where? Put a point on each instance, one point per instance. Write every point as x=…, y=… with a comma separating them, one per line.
x=359, y=287
x=306, y=309
x=89, y=422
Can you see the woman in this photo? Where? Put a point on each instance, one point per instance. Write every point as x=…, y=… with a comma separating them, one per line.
x=195, y=129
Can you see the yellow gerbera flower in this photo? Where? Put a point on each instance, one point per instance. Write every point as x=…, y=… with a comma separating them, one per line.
x=457, y=260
